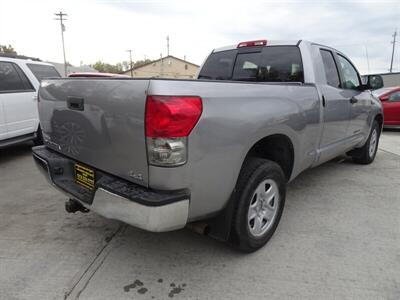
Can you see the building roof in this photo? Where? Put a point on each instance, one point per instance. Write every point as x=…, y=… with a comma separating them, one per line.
x=162, y=58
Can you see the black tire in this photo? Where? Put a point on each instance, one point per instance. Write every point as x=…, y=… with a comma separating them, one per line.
x=39, y=137
x=363, y=155
x=254, y=172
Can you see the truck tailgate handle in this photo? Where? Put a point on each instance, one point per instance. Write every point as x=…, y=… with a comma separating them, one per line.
x=75, y=103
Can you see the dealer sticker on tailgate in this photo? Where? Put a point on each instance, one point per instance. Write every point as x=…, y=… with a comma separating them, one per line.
x=84, y=176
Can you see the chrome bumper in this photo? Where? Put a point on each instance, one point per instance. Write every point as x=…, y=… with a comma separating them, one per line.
x=152, y=218
x=169, y=212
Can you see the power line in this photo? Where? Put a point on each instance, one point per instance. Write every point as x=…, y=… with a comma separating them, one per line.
x=61, y=18
x=394, y=45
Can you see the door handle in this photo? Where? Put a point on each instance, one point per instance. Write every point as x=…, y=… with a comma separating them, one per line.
x=75, y=103
x=353, y=100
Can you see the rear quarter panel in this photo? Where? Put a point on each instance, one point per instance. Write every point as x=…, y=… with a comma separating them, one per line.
x=235, y=116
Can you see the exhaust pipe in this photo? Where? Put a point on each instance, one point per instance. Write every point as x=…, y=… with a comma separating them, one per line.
x=72, y=206
x=198, y=227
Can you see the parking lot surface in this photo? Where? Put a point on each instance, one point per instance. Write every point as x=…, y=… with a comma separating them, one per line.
x=339, y=238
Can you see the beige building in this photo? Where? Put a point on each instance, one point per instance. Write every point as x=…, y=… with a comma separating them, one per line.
x=166, y=67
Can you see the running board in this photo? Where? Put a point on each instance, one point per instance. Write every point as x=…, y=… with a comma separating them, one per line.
x=17, y=140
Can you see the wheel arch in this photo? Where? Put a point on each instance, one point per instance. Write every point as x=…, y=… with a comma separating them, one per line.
x=277, y=148
x=379, y=119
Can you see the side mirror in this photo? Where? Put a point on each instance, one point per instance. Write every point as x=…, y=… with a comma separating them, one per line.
x=374, y=82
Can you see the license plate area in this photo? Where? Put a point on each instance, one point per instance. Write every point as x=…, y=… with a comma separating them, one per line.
x=84, y=176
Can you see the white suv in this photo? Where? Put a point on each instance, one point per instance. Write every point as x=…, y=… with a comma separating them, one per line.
x=19, y=81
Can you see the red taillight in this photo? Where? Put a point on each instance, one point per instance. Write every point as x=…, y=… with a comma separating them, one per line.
x=383, y=98
x=172, y=116
x=252, y=43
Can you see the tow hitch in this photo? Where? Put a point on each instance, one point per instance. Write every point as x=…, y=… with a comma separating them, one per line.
x=72, y=206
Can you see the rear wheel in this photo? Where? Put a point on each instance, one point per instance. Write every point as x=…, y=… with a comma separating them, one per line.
x=366, y=154
x=260, y=198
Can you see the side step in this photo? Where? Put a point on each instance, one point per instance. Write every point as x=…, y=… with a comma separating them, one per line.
x=17, y=140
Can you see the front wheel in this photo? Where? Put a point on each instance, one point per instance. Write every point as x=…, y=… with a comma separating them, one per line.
x=259, y=198
x=366, y=154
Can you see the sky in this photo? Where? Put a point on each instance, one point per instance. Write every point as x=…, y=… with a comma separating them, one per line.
x=105, y=29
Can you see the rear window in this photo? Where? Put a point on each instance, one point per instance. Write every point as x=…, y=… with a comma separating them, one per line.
x=43, y=71
x=268, y=64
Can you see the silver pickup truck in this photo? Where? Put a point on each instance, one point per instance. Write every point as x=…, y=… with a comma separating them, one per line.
x=215, y=152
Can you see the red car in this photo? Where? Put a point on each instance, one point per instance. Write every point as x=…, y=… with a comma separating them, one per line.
x=390, y=98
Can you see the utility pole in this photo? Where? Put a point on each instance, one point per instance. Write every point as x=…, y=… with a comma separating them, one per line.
x=167, y=45
x=61, y=17
x=161, y=66
x=394, y=45
x=130, y=58
x=366, y=54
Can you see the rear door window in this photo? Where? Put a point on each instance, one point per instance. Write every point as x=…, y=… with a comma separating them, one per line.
x=43, y=71
x=12, y=78
x=331, y=71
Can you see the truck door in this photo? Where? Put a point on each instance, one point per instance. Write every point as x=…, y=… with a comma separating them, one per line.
x=3, y=129
x=360, y=100
x=18, y=100
x=336, y=110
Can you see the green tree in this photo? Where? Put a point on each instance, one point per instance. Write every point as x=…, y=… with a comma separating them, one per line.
x=107, y=68
x=119, y=67
x=139, y=63
x=7, y=49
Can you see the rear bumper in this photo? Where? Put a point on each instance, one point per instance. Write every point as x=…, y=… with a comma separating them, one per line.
x=115, y=198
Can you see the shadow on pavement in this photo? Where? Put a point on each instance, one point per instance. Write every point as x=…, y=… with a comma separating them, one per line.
x=391, y=129
x=14, y=152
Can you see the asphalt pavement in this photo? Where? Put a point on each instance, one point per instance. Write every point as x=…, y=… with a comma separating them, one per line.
x=339, y=238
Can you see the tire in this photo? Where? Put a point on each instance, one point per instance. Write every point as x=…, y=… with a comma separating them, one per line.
x=259, y=198
x=366, y=154
x=39, y=137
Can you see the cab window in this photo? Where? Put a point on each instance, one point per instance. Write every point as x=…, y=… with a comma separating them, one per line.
x=350, y=79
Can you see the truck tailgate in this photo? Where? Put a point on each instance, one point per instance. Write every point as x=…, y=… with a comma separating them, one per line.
x=98, y=122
